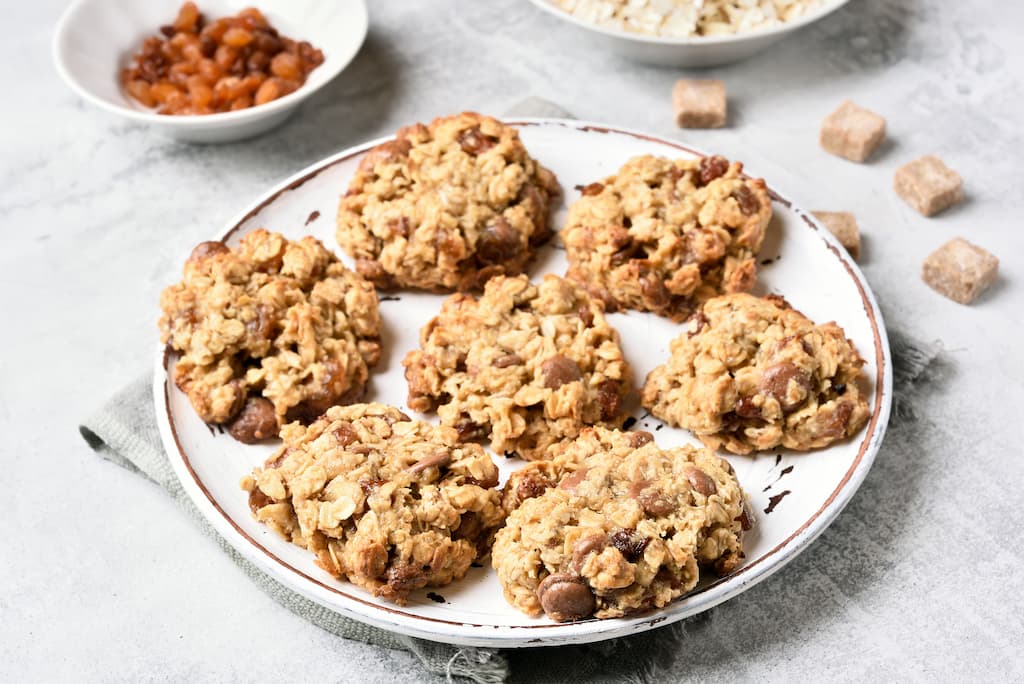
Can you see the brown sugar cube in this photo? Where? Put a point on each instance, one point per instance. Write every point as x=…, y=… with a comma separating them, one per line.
x=699, y=104
x=852, y=132
x=928, y=185
x=960, y=270
x=843, y=225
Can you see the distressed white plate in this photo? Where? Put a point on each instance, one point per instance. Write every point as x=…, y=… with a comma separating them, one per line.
x=794, y=496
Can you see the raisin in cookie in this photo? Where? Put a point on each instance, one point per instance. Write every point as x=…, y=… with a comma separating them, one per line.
x=269, y=332
x=665, y=235
x=389, y=503
x=754, y=374
x=525, y=365
x=446, y=206
x=613, y=525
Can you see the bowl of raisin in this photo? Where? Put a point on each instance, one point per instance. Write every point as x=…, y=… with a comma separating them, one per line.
x=214, y=71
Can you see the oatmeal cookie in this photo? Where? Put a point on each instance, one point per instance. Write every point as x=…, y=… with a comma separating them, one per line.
x=612, y=525
x=754, y=374
x=665, y=235
x=388, y=503
x=444, y=207
x=269, y=332
x=525, y=365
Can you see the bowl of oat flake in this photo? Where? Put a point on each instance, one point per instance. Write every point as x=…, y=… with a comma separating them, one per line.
x=688, y=33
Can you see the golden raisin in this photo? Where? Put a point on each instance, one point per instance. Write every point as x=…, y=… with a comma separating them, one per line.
x=197, y=66
x=286, y=65
x=237, y=37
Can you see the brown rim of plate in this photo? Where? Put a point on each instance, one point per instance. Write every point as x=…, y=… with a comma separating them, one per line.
x=880, y=363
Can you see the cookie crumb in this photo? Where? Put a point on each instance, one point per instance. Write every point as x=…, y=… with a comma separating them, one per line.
x=852, y=132
x=960, y=270
x=928, y=185
x=699, y=104
x=843, y=225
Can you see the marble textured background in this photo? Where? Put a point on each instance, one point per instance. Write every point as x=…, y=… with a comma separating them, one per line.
x=920, y=578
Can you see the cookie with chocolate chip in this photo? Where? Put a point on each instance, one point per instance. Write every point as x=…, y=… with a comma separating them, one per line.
x=268, y=332
x=524, y=365
x=752, y=373
x=612, y=524
x=665, y=235
x=388, y=503
x=444, y=207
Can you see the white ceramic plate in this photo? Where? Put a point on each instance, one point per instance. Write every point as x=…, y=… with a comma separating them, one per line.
x=693, y=51
x=794, y=496
x=95, y=39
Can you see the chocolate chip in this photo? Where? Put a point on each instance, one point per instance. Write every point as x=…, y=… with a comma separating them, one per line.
x=257, y=499
x=592, y=189
x=586, y=316
x=498, y=242
x=385, y=153
x=639, y=438
x=595, y=543
x=630, y=544
x=532, y=485
x=489, y=482
x=631, y=250
x=712, y=168
x=727, y=562
x=507, y=360
x=744, y=520
x=345, y=434
x=651, y=499
x=839, y=388
x=776, y=379
x=372, y=560
x=745, y=408
x=468, y=430
x=565, y=597
x=560, y=370
x=474, y=142
x=400, y=226
x=653, y=291
x=700, y=481
x=403, y=577
x=369, y=485
x=748, y=201
x=471, y=527
x=655, y=503
x=205, y=250
x=256, y=421
x=438, y=459
x=610, y=398
x=839, y=420
x=261, y=326
x=571, y=481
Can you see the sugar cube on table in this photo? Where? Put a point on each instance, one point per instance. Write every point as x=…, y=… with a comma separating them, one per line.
x=843, y=225
x=852, y=132
x=928, y=185
x=699, y=104
x=960, y=270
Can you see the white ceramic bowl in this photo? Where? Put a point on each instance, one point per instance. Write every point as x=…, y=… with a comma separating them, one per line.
x=95, y=39
x=688, y=52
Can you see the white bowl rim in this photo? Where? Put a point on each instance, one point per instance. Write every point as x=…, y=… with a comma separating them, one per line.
x=203, y=120
x=783, y=27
